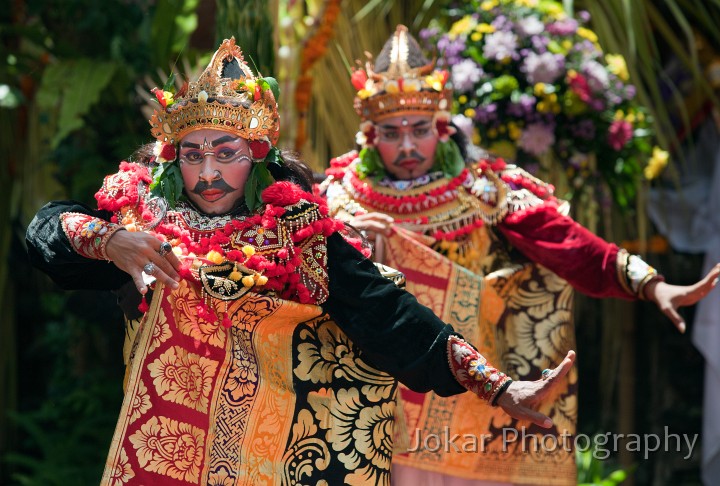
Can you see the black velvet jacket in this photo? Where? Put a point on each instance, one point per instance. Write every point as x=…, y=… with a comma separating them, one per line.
x=395, y=332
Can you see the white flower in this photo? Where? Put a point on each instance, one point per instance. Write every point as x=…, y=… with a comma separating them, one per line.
x=360, y=139
x=530, y=26
x=500, y=45
x=284, y=52
x=543, y=68
x=464, y=124
x=465, y=74
x=597, y=76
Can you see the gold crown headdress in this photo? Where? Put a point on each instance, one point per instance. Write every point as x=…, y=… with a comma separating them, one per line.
x=226, y=96
x=402, y=81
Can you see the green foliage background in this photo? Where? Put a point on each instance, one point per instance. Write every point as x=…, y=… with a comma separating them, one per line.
x=69, y=111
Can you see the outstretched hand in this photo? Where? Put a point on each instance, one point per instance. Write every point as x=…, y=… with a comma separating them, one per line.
x=669, y=298
x=373, y=224
x=522, y=397
x=131, y=251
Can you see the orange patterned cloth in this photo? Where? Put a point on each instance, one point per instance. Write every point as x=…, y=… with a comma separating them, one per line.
x=520, y=318
x=209, y=405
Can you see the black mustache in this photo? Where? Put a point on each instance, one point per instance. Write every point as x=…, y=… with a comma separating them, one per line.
x=413, y=155
x=220, y=184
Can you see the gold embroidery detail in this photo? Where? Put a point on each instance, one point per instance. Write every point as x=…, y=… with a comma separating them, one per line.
x=140, y=403
x=160, y=332
x=170, y=448
x=183, y=378
x=184, y=302
x=122, y=472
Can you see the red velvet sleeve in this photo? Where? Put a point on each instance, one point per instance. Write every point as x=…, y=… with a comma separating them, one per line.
x=585, y=260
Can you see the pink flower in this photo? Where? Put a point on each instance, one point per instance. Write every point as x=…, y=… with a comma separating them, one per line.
x=619, y=133
x=537, y=138
x=580, y=86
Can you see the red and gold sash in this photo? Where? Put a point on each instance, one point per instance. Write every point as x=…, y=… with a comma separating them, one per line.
x=520, y=318
x=281, y=397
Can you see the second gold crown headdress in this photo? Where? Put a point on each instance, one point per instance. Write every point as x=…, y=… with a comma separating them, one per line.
x=401, y=81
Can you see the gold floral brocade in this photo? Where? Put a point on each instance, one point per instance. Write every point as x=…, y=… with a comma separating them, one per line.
x=274, y=399
x=519, y=317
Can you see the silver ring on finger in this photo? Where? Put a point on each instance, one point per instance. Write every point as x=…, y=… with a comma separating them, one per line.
x=149, y=268
x=545, y=374
x=165, y=248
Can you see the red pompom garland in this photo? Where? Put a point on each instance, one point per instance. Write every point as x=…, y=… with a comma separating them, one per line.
x=121, y=189
x=281, y=265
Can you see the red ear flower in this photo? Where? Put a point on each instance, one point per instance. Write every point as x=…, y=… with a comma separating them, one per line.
x=168, y=152
x=366, y=136
x=259, y=149
x=441, y=126
x=358, y=79
x=164, y=152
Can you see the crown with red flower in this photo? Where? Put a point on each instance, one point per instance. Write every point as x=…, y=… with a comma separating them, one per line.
x=401, y=81
x=227, y=96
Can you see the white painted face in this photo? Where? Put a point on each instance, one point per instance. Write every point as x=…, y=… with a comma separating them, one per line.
x=406, y=145
x=215, y=165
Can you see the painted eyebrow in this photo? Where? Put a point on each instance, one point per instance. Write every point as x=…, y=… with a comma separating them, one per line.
x=414, y=125
x=214, y=143
x=221, y=140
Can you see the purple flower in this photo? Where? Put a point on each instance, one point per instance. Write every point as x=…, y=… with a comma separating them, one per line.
x=584, y=16
x=500, y=45
x=543, y=68
x=451, y=49
x=426, y=34
x=539, y=43
x=501, y=22
x=630, y=92
x=613, y=99
x=528, y=102
x=523, y=108
x=587, y=49
x=486, y=113
x=465, y=74
x=566, y=26
x=537, y=138
x=597, y=104
x=585, y=129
